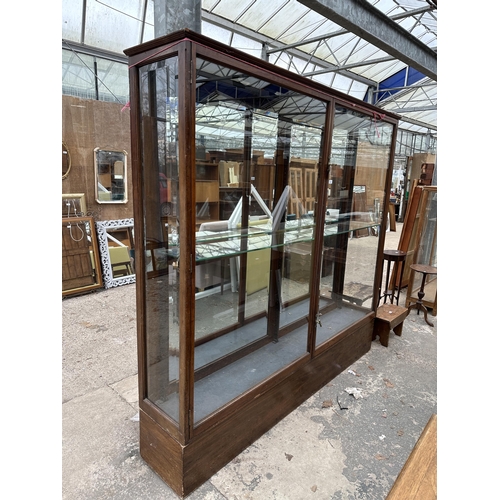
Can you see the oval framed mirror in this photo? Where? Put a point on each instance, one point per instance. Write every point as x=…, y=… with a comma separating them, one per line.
x=66, y=161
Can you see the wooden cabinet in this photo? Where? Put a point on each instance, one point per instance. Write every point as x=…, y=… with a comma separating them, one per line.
x=255, y=229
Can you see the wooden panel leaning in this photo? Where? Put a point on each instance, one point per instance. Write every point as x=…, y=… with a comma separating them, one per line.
x=388, y=317
x=418, y=478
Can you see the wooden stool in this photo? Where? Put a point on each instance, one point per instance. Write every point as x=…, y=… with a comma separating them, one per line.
x=419, y=305
x=399, y=258
x=388, y=317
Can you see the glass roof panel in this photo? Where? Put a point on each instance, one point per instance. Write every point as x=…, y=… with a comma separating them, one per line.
x=358, y=89
x=264, y=11
x=281, y=59
x=230, y=10
x=297, y=65
x=343, y=47
x=323, y=78
x=341, y=83
x=209, y=4
x=216, y=32
x=247, y=45
x=302, y=24
x=379, y=72
x=113, y=25
x=72, y=11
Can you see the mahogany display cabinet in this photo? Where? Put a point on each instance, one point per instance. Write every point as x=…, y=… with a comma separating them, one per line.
x=258, y=272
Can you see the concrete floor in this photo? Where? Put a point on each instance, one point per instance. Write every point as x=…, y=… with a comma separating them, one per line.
x=319, y=451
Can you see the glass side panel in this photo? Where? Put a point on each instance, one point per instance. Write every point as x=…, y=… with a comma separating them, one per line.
x=257, y=152
x=159, y=125
x=359, y=163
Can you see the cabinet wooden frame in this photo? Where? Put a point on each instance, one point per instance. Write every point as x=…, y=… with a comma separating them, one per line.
x=184, y=451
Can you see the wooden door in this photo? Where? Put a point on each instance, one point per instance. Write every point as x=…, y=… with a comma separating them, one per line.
x=310, y=177
x=80, y=259
x=295, y=204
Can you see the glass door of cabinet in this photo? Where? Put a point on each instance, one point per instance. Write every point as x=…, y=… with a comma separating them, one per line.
x=257, y=154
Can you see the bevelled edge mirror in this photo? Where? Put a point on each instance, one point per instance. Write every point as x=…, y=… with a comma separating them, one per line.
x=110, y=168
x=117, y=260
x=66, y=160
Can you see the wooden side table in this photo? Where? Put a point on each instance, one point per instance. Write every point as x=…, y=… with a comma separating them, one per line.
x=399, y=258
x=418, y=305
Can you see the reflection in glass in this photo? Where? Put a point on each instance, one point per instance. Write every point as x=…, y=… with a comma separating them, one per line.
x=121, y=251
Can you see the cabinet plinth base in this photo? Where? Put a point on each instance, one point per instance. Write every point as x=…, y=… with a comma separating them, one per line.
x=185, y=468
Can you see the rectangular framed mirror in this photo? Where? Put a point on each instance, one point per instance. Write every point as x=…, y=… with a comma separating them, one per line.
x=110, y=176
x=116, y=244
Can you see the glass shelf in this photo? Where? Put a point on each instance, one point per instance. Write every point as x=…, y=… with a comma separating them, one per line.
x=235, y=242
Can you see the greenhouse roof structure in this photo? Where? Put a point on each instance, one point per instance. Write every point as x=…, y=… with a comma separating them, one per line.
x=380, y=51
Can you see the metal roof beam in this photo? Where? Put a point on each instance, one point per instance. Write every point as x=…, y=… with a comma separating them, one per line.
x=92, y=51
x=406, y=87
x=364, y=20
x=336, y=69
x=414, y=110
x=415, y=122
